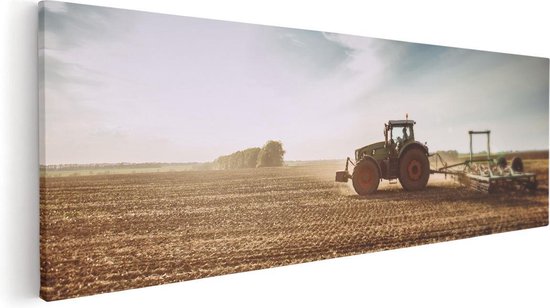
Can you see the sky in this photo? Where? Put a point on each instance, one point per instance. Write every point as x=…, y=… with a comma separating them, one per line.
x=128, y=86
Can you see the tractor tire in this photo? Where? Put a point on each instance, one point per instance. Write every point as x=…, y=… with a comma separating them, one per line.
x=366, y=177
x=414, y=169
x=517, y=164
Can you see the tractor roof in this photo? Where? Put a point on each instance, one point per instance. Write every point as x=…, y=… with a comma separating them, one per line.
x=401, y=123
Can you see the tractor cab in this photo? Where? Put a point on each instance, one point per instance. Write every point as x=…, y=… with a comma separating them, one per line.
x=398, y=133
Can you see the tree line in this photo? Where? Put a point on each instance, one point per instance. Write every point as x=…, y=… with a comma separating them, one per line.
x=270, y=155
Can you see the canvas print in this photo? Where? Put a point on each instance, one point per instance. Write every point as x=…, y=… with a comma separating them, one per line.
x=175, y=148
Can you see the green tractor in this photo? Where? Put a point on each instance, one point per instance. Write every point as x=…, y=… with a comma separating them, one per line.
x=399, y=156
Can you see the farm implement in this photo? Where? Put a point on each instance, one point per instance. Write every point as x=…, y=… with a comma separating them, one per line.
x=485, y=174
x=401, y=157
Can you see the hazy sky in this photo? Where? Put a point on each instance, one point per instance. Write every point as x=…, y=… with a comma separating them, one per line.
x=126, y=86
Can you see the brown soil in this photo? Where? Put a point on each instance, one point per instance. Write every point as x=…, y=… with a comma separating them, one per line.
x=113, y=232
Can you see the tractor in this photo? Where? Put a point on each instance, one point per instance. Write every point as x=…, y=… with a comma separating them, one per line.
x=399, y=156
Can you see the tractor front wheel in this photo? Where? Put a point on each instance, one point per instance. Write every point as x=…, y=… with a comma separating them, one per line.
x=366, y=177
x=414, y=170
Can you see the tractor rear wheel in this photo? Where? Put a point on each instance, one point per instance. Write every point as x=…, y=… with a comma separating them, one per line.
x=414, y=169
x=366, y=177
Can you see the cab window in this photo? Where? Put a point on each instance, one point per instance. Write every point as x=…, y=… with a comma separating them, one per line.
x=399, y=134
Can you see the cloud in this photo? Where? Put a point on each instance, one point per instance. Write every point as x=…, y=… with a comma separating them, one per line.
x=68, y=25
x=309, y=51
x=187, y=89
x=455, y=90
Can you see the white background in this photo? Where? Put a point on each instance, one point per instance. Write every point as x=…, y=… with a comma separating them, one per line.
x=503, y=270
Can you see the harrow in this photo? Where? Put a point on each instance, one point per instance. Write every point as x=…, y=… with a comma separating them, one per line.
x=486, y=174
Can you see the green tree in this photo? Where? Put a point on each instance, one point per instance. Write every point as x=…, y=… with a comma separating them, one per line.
x=222, y=162
x=251, y=157
x=271, y=155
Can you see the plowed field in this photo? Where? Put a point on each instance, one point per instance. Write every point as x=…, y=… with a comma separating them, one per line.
x=104, y=233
